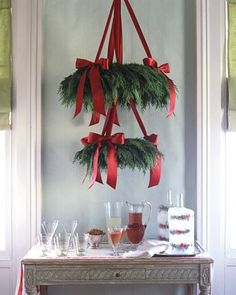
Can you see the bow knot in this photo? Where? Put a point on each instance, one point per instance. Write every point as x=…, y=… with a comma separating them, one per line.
x=102, y=63
x=152, y=63
x=117, y=138
x=112, y=165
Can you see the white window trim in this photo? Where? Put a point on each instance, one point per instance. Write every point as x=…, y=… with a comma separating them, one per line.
x=211, y=105
x=26, y=129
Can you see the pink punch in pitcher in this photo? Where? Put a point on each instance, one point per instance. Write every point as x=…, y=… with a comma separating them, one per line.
x=136, y=227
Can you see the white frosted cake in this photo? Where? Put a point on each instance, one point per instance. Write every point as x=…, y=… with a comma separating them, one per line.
x=181, y=230
x=162, y=223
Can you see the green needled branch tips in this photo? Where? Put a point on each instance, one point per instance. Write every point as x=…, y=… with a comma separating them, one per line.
x=146, y=86
x=135, y=153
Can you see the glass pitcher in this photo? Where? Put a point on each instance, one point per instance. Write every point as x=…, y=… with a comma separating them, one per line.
x=136, y=226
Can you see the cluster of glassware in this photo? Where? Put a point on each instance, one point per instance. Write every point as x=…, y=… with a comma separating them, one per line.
x=135, y=228
x=55, y=238
x=61, y=243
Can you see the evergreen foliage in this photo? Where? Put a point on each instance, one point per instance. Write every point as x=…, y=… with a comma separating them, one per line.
x=146, y=86
x=135, y=153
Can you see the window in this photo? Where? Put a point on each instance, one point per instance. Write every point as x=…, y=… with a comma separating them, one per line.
x=2, y=191
x=5, y=221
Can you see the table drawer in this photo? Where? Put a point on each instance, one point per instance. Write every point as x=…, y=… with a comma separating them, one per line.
x=117, y=274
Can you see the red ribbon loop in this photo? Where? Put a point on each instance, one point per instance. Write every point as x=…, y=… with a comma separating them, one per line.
x=112, y=165
x=94, y=69
x=165, y=69
x=155, y=172
x=153, y=138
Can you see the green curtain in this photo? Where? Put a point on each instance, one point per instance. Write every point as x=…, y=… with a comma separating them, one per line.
x=232, y=65
x=5, y=64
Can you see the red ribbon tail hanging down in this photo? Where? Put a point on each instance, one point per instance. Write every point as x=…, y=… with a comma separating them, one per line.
x=80, y=94
x=165, y=69
x=112, y=166
x=98, y=177
x=95, y=82
x=97, y=90
x=95, y=166
x=155, y=172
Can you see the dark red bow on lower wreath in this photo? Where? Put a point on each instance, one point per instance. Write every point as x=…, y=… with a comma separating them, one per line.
x=112, y=165
x=155, y=173
x=95, y=81
x=165, y=69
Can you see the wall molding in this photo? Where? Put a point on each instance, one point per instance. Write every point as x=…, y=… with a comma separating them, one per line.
x=211, y=106
x=26, y=129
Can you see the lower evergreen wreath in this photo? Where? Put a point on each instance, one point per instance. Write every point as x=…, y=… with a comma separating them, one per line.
x=134, y=153
x=145, y=85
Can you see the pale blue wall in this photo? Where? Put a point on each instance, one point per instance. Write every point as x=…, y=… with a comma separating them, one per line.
x=73, y=29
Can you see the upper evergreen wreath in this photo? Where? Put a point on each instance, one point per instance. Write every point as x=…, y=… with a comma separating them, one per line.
x=146, y=87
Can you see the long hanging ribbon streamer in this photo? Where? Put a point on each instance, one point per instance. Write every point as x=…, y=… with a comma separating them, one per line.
x=155, y=172
x=149, y=61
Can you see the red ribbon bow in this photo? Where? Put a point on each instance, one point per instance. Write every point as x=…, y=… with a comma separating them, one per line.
x=112, y=165
x=155, y=173
x=95, y=82
x=165, y=69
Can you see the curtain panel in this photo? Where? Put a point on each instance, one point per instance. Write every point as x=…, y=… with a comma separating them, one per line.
x=5, y=64
x=232, y=65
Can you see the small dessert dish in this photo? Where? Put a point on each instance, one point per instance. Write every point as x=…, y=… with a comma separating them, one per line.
x=95, y=236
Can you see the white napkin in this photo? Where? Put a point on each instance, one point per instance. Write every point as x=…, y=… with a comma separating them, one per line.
x=147, y=249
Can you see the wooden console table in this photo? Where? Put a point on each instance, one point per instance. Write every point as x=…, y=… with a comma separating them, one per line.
x=97, y=270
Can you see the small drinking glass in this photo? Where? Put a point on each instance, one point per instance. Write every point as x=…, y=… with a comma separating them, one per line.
x=62, y=244
x=45, y=244
x=115, y=234
x=80, y=244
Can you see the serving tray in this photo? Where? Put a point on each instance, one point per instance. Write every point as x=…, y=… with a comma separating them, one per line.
x=197, y=250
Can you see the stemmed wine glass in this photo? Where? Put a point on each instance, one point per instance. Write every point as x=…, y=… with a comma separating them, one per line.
x=115, y=234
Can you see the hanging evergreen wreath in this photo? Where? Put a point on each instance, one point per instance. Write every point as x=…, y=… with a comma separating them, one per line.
x=145, y=85
x=135, y=153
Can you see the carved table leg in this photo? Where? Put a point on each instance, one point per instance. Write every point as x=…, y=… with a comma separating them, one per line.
x=205, y=279
x=205, y=290
x=29, y=279
x=31, y=291
x=43, y=290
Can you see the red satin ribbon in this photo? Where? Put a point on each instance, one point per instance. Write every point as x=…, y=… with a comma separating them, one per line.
x=95, y=82
x=165, y=69
x=95, y=118
x=112, y=165
x=155, y=173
